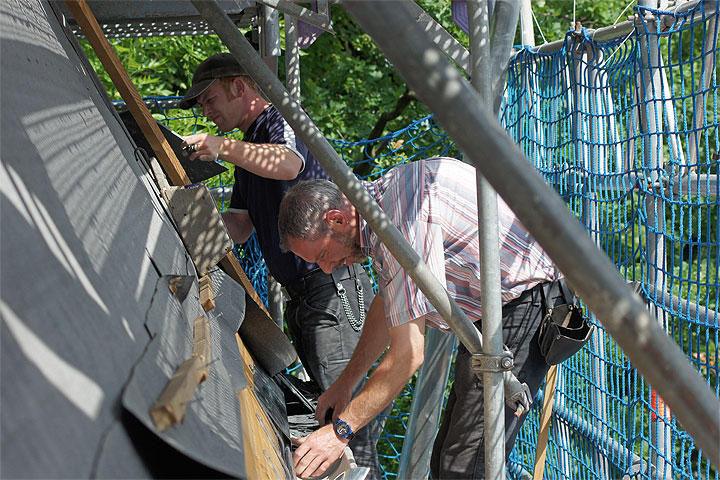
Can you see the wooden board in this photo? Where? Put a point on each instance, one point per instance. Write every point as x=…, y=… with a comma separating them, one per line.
x=170, y=406
x=207, y=293
x=545, y=416
x=263, y=456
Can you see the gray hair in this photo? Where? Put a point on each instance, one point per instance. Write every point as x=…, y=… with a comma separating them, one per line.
x=303, y=209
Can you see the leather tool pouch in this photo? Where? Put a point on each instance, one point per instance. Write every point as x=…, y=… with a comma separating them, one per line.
x=564, y=329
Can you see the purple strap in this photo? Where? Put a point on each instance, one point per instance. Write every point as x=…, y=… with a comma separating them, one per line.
x=307, y=34
x=460, y=16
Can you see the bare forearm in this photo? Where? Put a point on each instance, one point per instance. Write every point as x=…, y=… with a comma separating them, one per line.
x=383, y=386
x=238, y=226
x=402, y=359
x=266, y=160
x=316, y=451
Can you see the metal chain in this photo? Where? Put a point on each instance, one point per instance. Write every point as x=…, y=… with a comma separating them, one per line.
x=354, y=323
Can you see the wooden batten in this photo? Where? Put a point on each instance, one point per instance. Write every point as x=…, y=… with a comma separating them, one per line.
x=207, y=293
x=107, y=56
x=201, y=345
x=169, y=408
x=263, y=458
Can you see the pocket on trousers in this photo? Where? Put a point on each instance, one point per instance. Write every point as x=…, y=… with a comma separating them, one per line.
x=323, y=344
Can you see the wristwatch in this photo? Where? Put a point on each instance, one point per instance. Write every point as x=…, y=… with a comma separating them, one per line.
x=342, y=429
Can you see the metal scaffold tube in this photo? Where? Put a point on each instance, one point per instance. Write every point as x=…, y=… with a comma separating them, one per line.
x=350, y=185
x=488, y=67
x=458, y=108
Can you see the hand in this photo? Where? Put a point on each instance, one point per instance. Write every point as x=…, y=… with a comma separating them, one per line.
x=317, y=452
x=336, y=399
x=202, y=147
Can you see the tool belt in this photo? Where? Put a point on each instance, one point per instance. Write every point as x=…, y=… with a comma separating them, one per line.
x=564, y=329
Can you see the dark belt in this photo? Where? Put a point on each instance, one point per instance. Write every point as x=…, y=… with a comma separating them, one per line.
x=553, y=289
x=317, y=279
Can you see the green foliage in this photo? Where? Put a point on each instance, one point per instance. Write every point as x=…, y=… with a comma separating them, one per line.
x=158, y=66
x=556, y=17
x=347, y=83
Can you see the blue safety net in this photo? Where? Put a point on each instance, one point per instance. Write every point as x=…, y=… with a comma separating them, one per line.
x=626, y=132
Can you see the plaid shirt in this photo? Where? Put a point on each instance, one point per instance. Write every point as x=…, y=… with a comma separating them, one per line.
x=434, y=205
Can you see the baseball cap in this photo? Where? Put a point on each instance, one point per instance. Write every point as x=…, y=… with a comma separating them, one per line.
x=215, y=66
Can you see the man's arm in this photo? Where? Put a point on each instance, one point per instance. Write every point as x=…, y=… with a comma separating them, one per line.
x=239, y=225
x=317, y=451
x=373, y=341
x=267, y=160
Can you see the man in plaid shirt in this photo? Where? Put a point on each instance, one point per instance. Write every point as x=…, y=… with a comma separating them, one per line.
x=434, y=205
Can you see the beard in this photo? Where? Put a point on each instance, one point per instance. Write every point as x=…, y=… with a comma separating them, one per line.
x=352, y=242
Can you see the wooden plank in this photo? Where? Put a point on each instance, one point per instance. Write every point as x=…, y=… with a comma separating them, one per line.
x=262, y=446
x=169, y=408
x=207, y=293
x=545, y=416
x=104, y=51
x=201, y=345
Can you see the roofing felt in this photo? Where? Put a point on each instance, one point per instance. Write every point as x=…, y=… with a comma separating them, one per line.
x=90, y=332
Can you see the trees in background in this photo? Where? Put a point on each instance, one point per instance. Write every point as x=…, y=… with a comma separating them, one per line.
x=348, y=87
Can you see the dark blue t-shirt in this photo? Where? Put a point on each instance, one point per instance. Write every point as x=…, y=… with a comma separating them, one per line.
x=261, y=196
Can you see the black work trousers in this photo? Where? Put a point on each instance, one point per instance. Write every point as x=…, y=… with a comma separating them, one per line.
x=459, y=449
x=325, y=339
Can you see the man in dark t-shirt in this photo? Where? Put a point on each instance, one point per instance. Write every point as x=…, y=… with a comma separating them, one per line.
x=324, y=312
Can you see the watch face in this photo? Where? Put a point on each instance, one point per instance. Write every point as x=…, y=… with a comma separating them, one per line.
x=343, y=429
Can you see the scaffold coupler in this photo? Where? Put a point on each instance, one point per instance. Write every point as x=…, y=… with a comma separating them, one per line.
x=517, y=395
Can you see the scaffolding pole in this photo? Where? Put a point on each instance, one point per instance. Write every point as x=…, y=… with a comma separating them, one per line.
x=427, y=404
x=590, y=129
x=429, y=393
x=588, y=269
x=488, y=69
x=651, y=128
x=622, y=29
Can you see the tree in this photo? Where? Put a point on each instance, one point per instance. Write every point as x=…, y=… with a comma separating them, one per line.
x=348, y=87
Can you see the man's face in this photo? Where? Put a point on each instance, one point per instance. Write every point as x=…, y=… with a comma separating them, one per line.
x=330, y=251
x=220, y=106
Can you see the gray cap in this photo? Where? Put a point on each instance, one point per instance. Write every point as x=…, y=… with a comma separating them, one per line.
x=217, y=66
